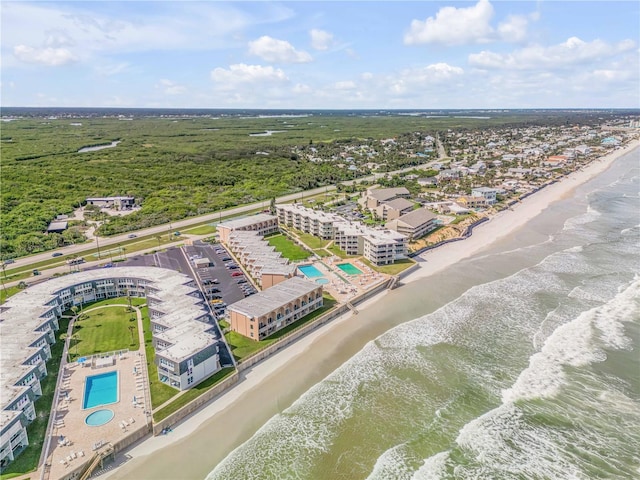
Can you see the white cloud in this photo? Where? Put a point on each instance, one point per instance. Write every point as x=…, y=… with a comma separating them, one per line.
x=277, y=51
x=573, y=51
x=413, y=80
x=345, y=85
x=453, y=26
x=300, y=88
x=172, y=88
x=514, y=29
x=243, y=73
x=107, y=70
x=51, y=57
x=321, y=39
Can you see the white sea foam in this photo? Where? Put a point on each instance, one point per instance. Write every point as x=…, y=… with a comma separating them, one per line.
x=433, y=467
x=573, y=344
x=391, y=465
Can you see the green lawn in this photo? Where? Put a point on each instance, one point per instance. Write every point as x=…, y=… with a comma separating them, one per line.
x=192, y=394
x=160, y=392
x=201, y=230
x=7, y=292
x=393, y=269
x=312, y=241
x=321, y=252
x=288, y=249
x=339, y=252
x=104, y=330
x=243, y=347
x=28, y=459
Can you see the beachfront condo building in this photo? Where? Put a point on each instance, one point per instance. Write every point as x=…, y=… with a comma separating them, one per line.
x=30, y=319
x=266, y=312
x=315, y=222
x=414, y=224
x=378, y=246
x=261, y=223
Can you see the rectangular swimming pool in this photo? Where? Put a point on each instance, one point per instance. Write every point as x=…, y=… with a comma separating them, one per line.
x=100, y=390
x=349, y=269
x=310, y=271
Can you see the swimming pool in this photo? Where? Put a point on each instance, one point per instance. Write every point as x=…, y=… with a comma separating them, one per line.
x=310, y=271
x=99, y=417
x=322, y=281
x=349, y=269
x=100, y=390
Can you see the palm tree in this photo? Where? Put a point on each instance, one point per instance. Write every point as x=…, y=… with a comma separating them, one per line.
x=131, y=329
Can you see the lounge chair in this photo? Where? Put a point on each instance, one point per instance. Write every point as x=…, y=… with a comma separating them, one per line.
x=73, y=454
x=81, y=453
x=63, y=462
x=69, y=458
x=131, y=420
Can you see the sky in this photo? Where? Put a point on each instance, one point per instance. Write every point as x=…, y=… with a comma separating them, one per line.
x=480, y=54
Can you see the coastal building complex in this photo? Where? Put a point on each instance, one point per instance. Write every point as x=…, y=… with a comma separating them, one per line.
x=267, y=266
x=315, y=222
x=266, y=312
x=414, y=224
x=261, y=223
x=185, y=342
x=380, y=247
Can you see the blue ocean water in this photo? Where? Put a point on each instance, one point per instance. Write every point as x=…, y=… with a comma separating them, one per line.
x=528, y=375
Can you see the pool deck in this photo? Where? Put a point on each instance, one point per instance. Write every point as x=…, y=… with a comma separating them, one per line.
x=69, y=422
x=68, y=417
x=342, y=286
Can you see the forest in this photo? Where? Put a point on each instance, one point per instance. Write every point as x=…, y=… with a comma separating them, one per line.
x=182, y=167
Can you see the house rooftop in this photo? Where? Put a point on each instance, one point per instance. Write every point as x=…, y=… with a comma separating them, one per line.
x=417, y=217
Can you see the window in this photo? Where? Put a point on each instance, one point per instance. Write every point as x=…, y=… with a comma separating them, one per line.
x=189, y=380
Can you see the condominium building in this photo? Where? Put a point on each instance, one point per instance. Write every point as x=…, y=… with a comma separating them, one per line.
x=414, y=224
x=261, y=260
x=30, y=319
x=374, y=196
x=311, y=221
x=380, y=247
x=395, y=208
x=266, y=312
x=261, y=223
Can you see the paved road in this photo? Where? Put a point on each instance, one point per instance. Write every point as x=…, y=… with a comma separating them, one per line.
x=182, y=224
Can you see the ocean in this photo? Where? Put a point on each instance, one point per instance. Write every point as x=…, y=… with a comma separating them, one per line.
x=520, y=363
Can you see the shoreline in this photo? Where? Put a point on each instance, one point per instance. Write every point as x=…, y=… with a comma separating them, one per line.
x=226, y=412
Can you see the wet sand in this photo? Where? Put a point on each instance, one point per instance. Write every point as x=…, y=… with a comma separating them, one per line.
x=195, y=446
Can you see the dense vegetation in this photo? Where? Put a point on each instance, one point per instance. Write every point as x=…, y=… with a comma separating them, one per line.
x=184, y=166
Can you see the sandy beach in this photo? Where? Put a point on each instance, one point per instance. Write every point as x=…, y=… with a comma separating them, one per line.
x=205, y=438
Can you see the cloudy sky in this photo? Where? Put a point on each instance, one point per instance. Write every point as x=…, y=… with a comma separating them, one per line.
x=329, y=54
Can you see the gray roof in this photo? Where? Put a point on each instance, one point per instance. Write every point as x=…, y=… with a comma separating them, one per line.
x=383, y=194
x=400, y=204
x=247, y=221
x=417, y=217
x=273, y=298
x=57, y=225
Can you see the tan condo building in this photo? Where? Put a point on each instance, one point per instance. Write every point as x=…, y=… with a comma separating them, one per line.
x=266, y=312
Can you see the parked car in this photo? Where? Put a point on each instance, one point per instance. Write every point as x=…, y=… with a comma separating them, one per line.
x=132, y=235
x=242, y=280
x=56, y=254
x=237, y=274
x=9, y=260
x=226, y=258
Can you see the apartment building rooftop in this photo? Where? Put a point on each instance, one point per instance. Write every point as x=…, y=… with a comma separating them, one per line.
x=273, y=298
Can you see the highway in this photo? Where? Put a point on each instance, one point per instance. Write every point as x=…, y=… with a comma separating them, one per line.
x=105, y=242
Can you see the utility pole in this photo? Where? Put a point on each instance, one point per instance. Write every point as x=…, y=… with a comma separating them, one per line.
x=98, y=245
